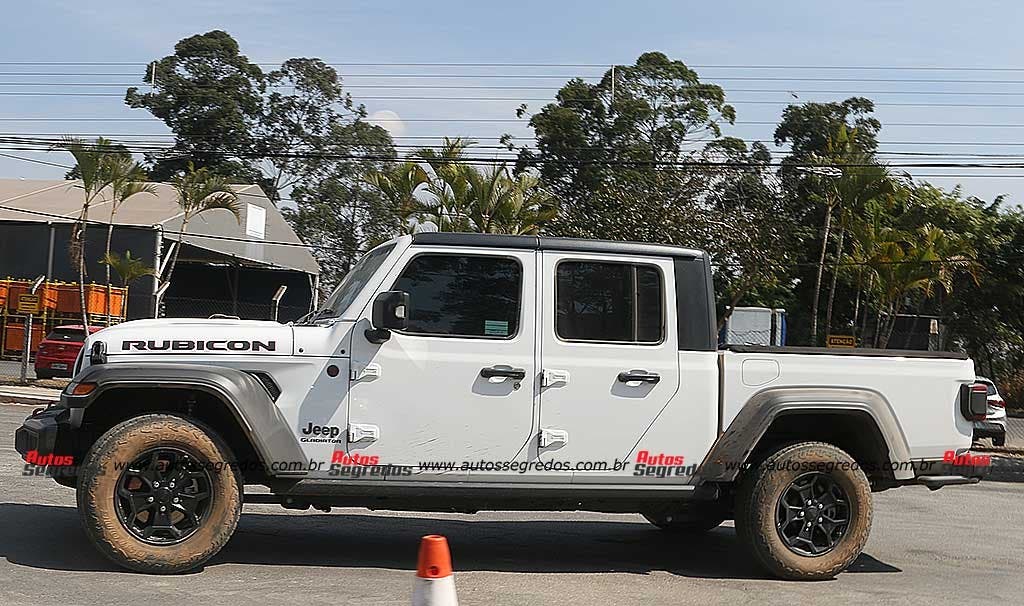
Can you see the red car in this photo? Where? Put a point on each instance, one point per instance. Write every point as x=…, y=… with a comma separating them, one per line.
x=58, y=351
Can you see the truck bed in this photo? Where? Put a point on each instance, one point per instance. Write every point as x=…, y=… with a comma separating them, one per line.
x=920, y=388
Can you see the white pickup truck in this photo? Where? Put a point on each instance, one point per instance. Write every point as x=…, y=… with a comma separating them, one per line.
x=461, y=372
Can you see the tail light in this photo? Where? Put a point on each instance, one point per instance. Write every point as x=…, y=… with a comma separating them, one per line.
x=974, y=401
x=999, y=402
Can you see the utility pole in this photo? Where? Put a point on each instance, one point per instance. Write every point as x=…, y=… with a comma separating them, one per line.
x=28, y=332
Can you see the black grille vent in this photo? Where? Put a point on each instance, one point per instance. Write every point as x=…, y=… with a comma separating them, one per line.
x=268, y=383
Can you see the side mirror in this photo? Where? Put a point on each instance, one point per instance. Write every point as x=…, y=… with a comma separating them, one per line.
x=390, y=312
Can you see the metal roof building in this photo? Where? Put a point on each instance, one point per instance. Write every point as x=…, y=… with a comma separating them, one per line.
x=224, y=266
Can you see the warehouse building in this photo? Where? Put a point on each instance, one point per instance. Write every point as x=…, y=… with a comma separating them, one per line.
x=224, y=266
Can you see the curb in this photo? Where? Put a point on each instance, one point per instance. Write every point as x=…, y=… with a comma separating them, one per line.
x=7, y=397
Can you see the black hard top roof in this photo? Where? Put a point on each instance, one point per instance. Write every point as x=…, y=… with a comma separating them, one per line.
x=546, y=243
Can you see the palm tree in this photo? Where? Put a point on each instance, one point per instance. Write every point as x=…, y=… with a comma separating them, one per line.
x=497, y=203
x=127, y=179
x=399, y=185
x=93, y=161
x=128, y=268
x=200, y=191
x=862, y=181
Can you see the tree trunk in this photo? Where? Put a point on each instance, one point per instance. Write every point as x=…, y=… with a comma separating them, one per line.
x=821, y=268
x=890, y=325
x=835, y=277
x=856, y=301
x=81, y=270
x=110, y=236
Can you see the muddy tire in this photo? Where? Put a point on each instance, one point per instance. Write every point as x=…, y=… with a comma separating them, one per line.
x=690, y=520
x=155, y=496
x=805, y=511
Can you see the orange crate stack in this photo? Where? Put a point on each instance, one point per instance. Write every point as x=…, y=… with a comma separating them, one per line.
x=5, y=286
x=14, y=335
x=68, y=301
x=46, y=292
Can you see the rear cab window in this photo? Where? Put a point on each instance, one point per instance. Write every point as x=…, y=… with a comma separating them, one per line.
x=609, y=302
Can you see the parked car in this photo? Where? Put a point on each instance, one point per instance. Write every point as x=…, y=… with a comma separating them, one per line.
x=994, y=424
x=467, y=372
x=58, y=351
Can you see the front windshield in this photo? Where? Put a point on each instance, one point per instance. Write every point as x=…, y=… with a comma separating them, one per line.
x=353, y=283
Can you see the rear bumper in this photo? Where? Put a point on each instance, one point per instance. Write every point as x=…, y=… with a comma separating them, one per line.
x=966, y=469
x=990, y=429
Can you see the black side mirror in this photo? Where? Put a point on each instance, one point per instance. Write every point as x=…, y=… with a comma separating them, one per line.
x=390, y=312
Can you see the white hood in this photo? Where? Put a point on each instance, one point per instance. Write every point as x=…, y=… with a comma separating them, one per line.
x=195, y=337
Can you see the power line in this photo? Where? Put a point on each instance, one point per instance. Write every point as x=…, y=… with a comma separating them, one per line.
x=605, y=65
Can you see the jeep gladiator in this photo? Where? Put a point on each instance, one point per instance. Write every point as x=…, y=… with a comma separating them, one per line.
x=467, y=372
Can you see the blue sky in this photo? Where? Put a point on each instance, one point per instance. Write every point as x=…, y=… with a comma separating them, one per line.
x=866, y=33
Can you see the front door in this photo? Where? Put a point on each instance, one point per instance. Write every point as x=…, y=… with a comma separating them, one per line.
x=610, y=362
x=456, y=386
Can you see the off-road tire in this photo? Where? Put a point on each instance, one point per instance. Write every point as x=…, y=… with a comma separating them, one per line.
x=689, y=520
x=99, y=477
x=758, y=498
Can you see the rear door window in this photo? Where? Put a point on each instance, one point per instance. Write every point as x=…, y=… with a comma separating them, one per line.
x=609, y=302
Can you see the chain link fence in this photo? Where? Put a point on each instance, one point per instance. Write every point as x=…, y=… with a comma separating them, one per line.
x=184, y=307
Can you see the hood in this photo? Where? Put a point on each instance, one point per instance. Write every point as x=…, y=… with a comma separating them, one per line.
x=191, y=337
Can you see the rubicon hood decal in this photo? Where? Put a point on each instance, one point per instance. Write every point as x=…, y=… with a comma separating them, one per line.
x=188, y=345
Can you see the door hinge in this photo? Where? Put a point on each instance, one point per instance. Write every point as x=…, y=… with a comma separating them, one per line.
x=358, y=432
x=550, y=437
x=370, y=371
x=549, y=377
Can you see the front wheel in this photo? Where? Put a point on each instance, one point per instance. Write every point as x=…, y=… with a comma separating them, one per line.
x=805, y=511
x=157, y=494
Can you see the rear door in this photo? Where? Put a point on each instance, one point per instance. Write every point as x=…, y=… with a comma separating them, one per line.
x=610, y=362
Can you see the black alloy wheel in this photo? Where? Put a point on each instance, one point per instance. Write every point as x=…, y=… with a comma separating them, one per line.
x=164, y=496
x=813, y=514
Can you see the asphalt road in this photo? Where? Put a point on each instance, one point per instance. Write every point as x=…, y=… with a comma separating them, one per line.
x=958, y=545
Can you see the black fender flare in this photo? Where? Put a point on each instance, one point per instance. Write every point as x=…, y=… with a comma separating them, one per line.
x=242, y=393
x=744, y=432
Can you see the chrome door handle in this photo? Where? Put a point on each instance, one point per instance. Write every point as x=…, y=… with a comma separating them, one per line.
x=503, y=371
x=642, y=376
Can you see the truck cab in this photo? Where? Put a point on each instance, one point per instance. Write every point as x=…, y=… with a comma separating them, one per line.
x=461, y=372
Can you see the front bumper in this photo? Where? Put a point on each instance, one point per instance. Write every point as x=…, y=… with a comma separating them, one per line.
x=46, y=431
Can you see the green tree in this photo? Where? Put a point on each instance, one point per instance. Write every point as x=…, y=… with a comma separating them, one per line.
x=616, y=131
x=339, y=213
x=200, y=191
x=95, y=175
x=820, y=136
x=211, y=97
x=128, y=268
x=128, y=179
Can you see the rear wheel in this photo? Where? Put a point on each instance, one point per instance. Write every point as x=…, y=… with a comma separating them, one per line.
x=156, y=494
x=805, y=511
x=999, y=441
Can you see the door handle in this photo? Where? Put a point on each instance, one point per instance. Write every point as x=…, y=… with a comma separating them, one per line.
x=630, y=376
x=503, y=371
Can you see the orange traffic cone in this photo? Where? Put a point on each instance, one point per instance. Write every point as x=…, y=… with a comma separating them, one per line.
x=434, y=585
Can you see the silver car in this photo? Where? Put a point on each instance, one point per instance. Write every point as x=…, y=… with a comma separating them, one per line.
x=994, y=425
